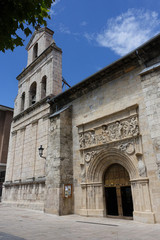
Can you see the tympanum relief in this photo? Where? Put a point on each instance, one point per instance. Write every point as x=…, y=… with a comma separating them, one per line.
x=106, y=133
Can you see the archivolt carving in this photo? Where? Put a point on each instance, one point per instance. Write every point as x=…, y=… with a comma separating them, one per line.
x=105, y=158
x=110, y=132
x=124, y=146
x=119, y=152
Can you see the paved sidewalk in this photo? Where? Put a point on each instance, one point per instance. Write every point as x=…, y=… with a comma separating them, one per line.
x=22, y=224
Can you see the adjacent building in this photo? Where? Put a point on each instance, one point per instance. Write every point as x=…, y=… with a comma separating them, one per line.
x=94, y=149
x=6, y=115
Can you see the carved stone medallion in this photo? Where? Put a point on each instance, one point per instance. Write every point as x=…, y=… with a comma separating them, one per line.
x=90, y=156
x=127, y=147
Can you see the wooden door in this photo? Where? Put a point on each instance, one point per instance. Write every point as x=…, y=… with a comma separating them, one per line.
x=118, y=191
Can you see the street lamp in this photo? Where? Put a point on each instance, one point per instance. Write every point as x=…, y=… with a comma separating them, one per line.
x=40, y=149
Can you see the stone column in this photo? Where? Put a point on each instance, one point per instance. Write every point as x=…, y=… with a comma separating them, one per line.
x=141, y=200
x=92, y=200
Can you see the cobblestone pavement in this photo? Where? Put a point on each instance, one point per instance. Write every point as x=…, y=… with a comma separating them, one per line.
x=22, y=224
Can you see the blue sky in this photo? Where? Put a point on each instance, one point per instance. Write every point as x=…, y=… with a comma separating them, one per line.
x=91, y=33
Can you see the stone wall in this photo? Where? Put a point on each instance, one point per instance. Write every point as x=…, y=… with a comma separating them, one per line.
x=59, y=164
x=27, y=194
x=24, y=163
x=151, y=93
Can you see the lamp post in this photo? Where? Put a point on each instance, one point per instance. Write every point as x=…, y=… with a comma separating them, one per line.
x=40, y=149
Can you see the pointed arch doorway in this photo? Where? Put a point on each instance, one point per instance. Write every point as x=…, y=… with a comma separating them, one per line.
x=118, y=195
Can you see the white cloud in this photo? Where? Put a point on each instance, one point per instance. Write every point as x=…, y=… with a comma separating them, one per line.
x=127, y=31
x=89, y=36
x=84, y=23
x=64, y=29
x=52, y=9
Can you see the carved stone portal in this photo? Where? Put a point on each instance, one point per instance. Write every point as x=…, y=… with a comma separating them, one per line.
x=119, y=134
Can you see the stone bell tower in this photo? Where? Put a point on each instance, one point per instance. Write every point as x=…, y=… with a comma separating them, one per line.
x=40, y=80
x=43, y=75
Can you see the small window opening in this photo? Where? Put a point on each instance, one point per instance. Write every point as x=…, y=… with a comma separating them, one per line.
x=35, y=51
x=43, y=87
x=33, y=90
x=22, y=101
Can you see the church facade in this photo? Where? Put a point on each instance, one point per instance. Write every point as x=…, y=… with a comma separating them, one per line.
x=100, y=138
